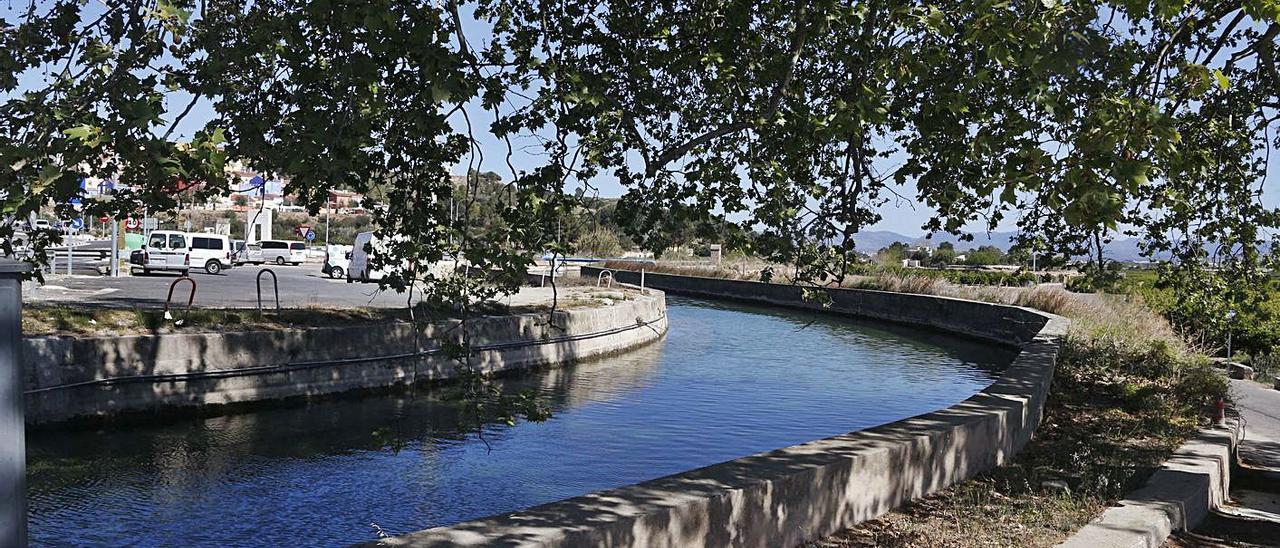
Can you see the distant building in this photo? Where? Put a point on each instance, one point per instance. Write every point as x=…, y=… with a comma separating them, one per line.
x=344, y=199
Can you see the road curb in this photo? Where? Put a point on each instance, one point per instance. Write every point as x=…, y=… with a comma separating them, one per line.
x=1192, y=482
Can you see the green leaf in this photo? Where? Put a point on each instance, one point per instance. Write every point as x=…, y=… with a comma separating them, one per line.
x=1223, y=82
x=87, y=135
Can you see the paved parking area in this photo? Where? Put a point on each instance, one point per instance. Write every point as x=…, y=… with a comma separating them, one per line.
x=300, y=286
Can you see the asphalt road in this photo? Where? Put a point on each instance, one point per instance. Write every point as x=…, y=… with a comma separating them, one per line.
x=300, y=286
x=1259, y=405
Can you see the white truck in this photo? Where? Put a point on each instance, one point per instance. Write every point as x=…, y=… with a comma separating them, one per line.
x=360, y=269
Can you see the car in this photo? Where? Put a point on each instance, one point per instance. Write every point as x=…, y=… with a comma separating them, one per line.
x=41, y=224
x=212, y=251
x=337, y=259
x=167, y=250
x=283, y=251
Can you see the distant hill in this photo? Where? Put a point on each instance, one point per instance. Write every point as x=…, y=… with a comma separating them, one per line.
x=870, y=241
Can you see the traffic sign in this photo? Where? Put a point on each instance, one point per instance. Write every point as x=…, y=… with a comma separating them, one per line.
x=150, y=223
x=77, y=223
x=302, y=230
x=131, y=223
x=311, y=235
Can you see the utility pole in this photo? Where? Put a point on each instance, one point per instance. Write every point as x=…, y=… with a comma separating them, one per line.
x=115, y=247
x=13, y=452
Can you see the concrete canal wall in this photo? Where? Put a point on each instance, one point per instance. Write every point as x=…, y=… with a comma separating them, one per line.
x=68, y=378
x=807, y=491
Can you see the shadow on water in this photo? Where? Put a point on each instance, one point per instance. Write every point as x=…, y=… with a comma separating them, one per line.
x=729, y=380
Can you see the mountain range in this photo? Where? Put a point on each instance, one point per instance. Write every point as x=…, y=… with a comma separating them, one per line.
x=870, y=241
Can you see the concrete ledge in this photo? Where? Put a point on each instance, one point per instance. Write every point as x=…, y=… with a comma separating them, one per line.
x=68, y=378
x=807, y=491
x=1008, y=325
x=1193, y=482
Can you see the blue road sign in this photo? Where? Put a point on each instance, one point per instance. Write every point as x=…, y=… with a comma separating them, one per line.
x=77, y=223
x=311, y=235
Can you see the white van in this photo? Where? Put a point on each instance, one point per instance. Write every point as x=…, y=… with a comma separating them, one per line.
x=337, y=260
x=166, y=250
x=358, y=268
x=283, y=251
x=214, y=252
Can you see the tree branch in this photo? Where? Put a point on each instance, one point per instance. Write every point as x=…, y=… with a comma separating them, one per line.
x=775, y=102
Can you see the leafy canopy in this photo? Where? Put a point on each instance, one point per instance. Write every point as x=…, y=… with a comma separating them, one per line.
x=782, y=126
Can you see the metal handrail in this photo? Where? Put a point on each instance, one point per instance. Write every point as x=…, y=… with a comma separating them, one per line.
x=275, y=284
x=190, y=298
x=600, y=277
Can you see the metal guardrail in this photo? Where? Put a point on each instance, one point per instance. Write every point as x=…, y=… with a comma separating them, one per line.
x=62, y=253
x=275, y=285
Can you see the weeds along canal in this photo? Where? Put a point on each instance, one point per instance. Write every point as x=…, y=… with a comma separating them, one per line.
x=728, y=380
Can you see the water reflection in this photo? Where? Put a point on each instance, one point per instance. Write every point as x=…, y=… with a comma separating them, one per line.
x=728, y=381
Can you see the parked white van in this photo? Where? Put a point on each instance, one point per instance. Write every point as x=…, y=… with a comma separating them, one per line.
x=358, y=268
x=337, y=260
x=214, y=252
x=166, y=250
x=283, y=251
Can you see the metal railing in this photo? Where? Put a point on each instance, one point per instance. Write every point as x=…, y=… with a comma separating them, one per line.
x=191, y=298
x=275, y=286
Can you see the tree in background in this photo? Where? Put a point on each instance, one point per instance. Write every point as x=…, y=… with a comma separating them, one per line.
x=944, y=255
x=892, y=254
x=599, y=242
x=984, y=255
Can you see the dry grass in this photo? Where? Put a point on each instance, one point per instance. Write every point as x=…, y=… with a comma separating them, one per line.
x=731, y=269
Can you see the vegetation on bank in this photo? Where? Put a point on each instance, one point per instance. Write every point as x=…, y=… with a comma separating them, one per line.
x=1127, y=391
x=1203, y=316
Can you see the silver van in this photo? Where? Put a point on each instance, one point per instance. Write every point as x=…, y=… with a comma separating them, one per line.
x=283, y=251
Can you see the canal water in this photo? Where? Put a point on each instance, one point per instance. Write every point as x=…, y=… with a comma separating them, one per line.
x=729, y=380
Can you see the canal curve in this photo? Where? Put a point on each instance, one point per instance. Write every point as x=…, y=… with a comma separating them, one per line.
x=729, y=380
